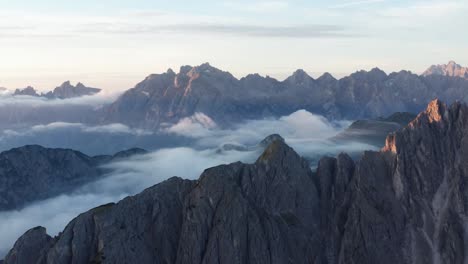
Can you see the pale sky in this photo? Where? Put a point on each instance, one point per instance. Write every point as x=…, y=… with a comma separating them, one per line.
x=113, y=44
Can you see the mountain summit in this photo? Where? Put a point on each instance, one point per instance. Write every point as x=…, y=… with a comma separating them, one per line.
x=67, y=90
x=64, y=91
x=450, y=69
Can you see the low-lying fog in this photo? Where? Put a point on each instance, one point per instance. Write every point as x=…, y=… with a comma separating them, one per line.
x=198, y=139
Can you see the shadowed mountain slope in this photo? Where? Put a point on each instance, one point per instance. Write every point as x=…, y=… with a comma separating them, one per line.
x=32, y=173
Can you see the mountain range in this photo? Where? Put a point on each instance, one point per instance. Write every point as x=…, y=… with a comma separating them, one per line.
x=164, y=99
x=170, y=96
x=64, y=91
x=403, y=204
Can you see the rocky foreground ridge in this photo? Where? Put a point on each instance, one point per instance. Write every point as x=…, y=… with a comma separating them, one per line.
x=405, y=204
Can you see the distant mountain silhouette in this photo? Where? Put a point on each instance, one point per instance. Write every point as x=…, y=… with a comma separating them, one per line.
x=64, y=91
x=168, y=97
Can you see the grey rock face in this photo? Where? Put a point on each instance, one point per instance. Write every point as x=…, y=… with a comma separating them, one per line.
x=29, y=248
x=168, y=97
x=408, y=203
x=33, y=173
x=403, y=204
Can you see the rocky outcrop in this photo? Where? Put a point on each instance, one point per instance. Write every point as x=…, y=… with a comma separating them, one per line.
x=169, y=97
x=403, y=204
x=29, y=248
x=32, y=173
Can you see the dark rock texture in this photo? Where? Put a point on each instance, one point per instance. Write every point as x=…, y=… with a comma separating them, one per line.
x=32, y=173
x=29, y=248
x=169, y=97
x=404, y=204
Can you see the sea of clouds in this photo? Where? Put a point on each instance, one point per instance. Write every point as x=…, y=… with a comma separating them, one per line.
x=307, y=133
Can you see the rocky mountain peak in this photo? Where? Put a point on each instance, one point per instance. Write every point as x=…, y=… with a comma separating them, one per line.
x=452, y=69
x=252, y=76
x=28, y=248
x=64, y=91
x=67, y=90
x=66, y=84
x=30, y=91
x=376, y=75
x=435, y=111
x=194, y=72
x=378, y=72
x=205, y=66
x=278, y=152
x=431, y=123
x=299, y=76
x=170, y=72
x=270, y=139
x=326, y=77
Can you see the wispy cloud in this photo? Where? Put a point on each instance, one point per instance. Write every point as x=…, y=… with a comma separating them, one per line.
x=155, y=22
x=258, y=7
x=110, y=128
x=357, y=3
x=425, y=9
x=99, y=99
x=295, y=31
